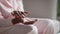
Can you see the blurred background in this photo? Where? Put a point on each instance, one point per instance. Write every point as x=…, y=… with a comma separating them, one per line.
x=58, y=10
x=41, y=8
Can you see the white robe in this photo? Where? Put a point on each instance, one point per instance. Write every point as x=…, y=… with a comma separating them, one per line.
x=7, y=6
x=49, y=27
x=19, y=29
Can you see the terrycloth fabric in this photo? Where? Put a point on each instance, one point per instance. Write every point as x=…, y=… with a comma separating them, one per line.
x=10, y=5
x=47, y=26
x=7, y=6
x=34, y=30
x=19, y=29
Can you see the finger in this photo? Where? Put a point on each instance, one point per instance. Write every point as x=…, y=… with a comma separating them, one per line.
x=26, y=13
x=6, y=3
x=12, y=13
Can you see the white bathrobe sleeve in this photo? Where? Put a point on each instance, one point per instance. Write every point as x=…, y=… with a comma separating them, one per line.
x=6, y=3
x=4, y=11
x=6, y=7
x=20, y=5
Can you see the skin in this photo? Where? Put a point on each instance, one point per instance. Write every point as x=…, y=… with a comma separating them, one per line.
x=19, y=18
x=6, y=3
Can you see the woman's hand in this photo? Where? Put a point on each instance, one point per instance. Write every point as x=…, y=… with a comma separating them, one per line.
x=4, y=12
x=6, y=3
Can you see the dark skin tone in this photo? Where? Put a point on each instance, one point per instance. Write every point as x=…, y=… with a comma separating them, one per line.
x=19, y=15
